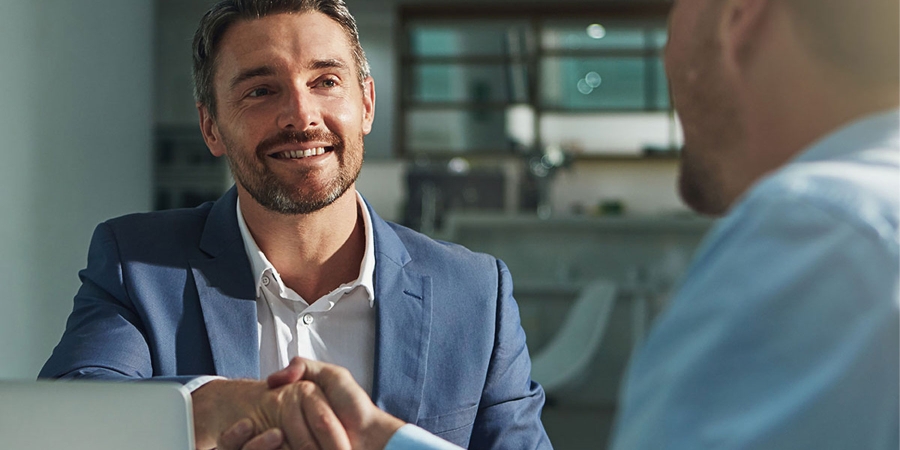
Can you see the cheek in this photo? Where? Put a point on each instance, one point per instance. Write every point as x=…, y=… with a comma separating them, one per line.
x=682, y=32
x=674, y=50
x=344, y=114
x=674, y=69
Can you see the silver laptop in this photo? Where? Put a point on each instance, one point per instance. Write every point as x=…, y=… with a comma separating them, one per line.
x=90, y=415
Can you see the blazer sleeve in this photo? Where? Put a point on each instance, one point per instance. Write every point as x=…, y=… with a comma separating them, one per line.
x=509, y=414
x=104, y=337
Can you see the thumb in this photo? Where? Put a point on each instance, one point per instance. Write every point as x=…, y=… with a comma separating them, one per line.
x=290, y=374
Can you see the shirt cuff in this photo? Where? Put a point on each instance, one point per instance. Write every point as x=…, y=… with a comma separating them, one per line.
x=411, y=437
x=198, y=382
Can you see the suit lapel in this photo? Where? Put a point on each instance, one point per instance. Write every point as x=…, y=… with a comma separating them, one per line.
x=403, y=310
x=227, y=293
x=403, y=323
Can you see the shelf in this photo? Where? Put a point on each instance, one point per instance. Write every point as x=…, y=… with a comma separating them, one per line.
x=688, y=223
x=667, y=157
x=507, y=155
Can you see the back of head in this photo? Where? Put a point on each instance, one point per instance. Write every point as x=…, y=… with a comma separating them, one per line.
x=222, y=15
x=860, y=37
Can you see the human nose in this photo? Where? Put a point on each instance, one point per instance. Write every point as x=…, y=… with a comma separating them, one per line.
x=299, y=111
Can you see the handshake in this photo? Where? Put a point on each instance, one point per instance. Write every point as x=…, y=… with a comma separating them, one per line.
x=307, y=405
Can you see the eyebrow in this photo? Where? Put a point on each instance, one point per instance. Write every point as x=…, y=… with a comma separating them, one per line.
x=245, y=75
x=332, y=63
x=264, y=71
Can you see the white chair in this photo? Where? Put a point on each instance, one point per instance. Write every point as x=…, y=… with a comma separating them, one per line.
x=567, y=356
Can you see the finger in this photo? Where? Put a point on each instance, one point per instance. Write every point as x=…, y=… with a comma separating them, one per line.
x=322, y=421
x=290, y=374
x=336, y=382
x=323, y=374
x=272, y=439
x=236, y=435
x=240, y=436
x=293, y=423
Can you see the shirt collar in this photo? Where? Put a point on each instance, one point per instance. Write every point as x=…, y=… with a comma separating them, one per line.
x=259, y=264
x=874, y=129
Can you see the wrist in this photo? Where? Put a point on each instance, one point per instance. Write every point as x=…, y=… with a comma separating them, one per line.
x=380, y=430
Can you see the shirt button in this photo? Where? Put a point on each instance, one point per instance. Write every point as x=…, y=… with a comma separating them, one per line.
x=265, y=281
x=307, y=319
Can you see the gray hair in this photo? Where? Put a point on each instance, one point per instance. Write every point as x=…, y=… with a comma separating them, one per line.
x=226, y=13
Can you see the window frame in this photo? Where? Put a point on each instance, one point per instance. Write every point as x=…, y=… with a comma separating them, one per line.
x=536, y=16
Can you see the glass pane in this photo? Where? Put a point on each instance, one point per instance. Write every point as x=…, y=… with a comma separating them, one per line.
x=470, y=38
x=469, y=83
x=660, y=37
x=661, y=84
x=611, y=133
x=599, y=34
x=432, y=131
x=594, y=83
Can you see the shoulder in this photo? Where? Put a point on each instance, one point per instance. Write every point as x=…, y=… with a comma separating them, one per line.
x=160, y=221
x=802, y=275
x=433, y=255
x=158, y=230
x=837, y=201
x=810, y=235
x=860, y=191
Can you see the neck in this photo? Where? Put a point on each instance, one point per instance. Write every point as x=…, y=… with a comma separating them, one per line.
x=792, y=99
x=314, y=253
x=810, y=116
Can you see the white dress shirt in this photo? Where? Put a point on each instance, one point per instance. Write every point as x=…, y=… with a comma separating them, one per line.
x=338, y=328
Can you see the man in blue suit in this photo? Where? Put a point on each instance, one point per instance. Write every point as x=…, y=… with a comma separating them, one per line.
x=293, y=262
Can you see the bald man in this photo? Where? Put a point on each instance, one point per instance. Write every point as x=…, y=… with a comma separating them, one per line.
x=784, y=333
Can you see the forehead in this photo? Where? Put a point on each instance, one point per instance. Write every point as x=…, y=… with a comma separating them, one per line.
x=283, y=39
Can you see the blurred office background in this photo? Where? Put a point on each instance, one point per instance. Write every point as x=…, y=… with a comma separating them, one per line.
x=538, y=131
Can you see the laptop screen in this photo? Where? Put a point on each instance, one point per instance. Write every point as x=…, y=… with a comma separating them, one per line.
x=83, y=415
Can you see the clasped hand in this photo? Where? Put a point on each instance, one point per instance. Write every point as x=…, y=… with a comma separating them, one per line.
x=310, y=405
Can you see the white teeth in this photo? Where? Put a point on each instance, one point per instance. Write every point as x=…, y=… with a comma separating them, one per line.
x=299, y=154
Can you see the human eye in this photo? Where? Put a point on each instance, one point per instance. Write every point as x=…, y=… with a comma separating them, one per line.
x=329, y=83
x=259, y=92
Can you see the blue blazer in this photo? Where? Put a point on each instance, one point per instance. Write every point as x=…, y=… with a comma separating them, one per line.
x=170, y=295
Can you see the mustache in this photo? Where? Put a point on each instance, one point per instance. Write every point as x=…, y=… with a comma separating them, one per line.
x=299, y=137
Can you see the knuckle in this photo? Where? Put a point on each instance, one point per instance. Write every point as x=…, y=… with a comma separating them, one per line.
x=338, y=372
x=307, y=387
x=320, y=422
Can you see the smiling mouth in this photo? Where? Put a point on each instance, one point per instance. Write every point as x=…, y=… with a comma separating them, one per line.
x=300, y=154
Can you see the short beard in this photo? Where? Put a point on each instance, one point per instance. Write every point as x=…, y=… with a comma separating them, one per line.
x=699, y=186
x=277, y=196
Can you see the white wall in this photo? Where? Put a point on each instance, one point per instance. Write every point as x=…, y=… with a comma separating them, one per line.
x=75, y=122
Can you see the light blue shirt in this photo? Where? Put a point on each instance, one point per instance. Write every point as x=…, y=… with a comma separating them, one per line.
x=410, y=437
x=784, y=334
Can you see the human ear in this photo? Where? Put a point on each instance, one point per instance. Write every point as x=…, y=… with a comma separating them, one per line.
x=368, y=104
x=740, y=28
x=210, y=131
